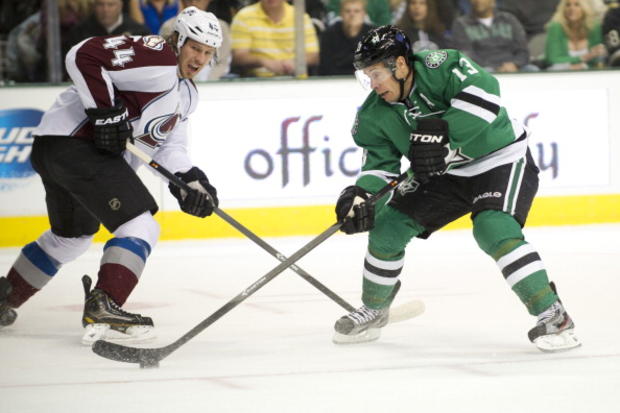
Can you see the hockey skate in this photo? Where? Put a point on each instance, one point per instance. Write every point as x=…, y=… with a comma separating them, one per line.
x=104, y=319
x=364, y=324
x=7, y=314
x=554, y=330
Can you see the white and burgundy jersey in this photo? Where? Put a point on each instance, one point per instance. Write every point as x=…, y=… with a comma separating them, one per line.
x=140, y=72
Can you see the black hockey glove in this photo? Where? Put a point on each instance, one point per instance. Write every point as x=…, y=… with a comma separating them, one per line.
x=356, y=214
x=428, y=149
x=111, y=128
x=195, y=202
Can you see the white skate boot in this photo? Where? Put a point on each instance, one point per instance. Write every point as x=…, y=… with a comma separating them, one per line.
x=554, y=330
x=364, y=324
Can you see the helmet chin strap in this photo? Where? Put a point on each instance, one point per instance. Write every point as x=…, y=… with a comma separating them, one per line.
x=401, y=82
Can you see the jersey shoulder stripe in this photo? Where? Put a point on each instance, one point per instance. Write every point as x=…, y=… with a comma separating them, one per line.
x=478, y=103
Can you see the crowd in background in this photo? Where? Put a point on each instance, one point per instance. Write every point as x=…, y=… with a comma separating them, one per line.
x=500, y=35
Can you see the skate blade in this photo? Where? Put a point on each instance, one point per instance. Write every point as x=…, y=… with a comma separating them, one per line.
x=552, y=343
x=369, y=335
x=134, y=335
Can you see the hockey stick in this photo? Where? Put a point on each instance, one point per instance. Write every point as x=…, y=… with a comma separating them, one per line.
x=241, y=228
x=398, y=313
x=150, y=357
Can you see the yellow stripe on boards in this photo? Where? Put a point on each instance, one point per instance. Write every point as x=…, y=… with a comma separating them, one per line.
x=265, y=222
x=312, y=220
x=565, y=210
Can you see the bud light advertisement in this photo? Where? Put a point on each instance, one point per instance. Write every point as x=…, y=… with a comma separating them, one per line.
x=16, y=127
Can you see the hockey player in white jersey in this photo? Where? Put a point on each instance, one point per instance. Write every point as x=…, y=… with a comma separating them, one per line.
x=136, y=88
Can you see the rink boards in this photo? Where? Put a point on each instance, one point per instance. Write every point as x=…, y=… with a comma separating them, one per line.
x=280, y=151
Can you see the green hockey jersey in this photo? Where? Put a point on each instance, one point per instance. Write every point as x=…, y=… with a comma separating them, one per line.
x=450, y=86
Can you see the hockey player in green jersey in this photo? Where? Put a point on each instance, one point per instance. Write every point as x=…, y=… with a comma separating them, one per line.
x=442, y=112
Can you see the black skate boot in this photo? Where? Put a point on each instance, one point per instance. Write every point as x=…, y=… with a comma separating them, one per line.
x=7, y=314
x=364, y=324
x=104, y=319
x=554, y=330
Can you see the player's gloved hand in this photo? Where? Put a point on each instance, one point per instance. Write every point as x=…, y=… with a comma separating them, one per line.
x=196, y=201
x=111, y=128
x=428, y=149
x=356, y=214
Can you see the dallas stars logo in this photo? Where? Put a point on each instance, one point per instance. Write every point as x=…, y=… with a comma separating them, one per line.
x=456, y=158
x=407, y=186
x=435, y=58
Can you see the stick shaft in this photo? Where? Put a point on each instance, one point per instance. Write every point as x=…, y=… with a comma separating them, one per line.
x=242, y=296
x=243, y=229
x=136, y=355
x=319, y=239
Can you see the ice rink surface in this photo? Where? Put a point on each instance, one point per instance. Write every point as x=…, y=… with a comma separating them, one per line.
x=467, y=353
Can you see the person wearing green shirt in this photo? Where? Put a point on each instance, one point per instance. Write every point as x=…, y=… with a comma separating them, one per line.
x=574, y=37
x=443, y=113
x=378, y=11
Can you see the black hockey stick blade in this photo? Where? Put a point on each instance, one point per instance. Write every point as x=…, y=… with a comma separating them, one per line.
x=145, y=357
x=122, y=353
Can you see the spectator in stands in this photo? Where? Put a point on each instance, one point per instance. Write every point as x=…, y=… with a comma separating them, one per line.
x=423, y=27
x=611, y=32
x=339, y=40
x=107, y=19
x=15, y=12
x=463, y=7
x=225, y=9
x=574, y=37
x=494, y=39
x=397, y=9
x=27, y=43
x=533, y=16
x=23, y=59
x=220, y=66
x=153, y=13
x=378, y=11
x=71, y=13
x=317, y=11
x=263, y=39
x=446, y=10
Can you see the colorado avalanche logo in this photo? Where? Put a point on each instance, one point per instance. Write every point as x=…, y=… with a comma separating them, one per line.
x=154, y=42
x=158, y=129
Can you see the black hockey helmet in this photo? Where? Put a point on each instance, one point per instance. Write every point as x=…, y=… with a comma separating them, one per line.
x=379, y=44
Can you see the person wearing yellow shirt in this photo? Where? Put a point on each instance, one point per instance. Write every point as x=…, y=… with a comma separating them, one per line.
x=263, y=39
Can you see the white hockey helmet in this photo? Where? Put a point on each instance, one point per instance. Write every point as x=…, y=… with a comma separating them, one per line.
x=198, y=25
